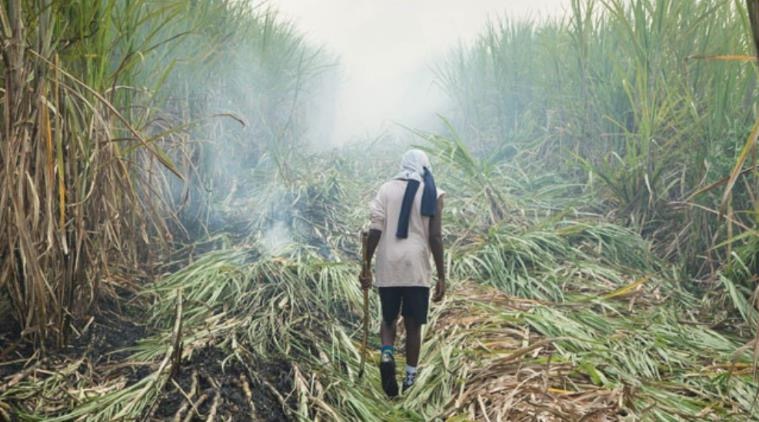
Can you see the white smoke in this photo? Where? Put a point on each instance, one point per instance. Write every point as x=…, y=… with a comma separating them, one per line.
x=387, y=50
x=276, y=239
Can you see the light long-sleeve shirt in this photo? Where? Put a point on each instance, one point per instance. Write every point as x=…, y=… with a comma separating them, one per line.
x=401, y=262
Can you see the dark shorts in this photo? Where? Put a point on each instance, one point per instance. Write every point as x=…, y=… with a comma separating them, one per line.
x=412, y=302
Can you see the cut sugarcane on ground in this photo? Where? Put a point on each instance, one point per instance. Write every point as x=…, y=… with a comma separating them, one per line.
x=557, y=314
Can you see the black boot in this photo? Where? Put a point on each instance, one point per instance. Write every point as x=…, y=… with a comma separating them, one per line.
x=387, y=372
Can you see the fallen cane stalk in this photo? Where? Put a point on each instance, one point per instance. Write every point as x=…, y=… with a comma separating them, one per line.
x=249, y=395
x=254, y=376
x=280, y=398
x=214, y=406
x=195, y=407
x=188, y=398
x=21, y=375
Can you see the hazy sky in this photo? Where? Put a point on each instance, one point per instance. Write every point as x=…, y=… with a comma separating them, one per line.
x=387, y=47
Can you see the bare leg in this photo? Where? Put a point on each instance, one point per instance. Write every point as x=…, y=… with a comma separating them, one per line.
x=387, y=333
x=413, y=340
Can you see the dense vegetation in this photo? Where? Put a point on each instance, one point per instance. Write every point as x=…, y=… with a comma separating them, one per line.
x=118, y=113
x=600, y=223
x=646, y=98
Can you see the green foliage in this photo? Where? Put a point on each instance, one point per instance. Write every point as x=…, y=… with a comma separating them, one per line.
x=630, y=91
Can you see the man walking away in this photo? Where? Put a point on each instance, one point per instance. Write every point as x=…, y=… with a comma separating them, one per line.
x=405, y=229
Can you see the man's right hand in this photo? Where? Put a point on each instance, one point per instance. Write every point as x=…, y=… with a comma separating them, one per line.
x=365, y=279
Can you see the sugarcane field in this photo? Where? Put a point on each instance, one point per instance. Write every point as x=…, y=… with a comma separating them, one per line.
x=355, y=210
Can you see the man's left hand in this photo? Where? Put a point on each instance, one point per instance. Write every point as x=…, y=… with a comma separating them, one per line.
x=439, y=291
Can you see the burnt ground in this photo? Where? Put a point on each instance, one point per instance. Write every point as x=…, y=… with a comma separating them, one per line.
x=226, y=387
x=11, y=348
x=100, y=342
x=118, y=325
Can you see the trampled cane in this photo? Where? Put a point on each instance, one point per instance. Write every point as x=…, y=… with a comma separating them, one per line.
x=364, y=270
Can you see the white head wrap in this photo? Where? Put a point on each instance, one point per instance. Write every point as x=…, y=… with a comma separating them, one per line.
x=412, y=165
